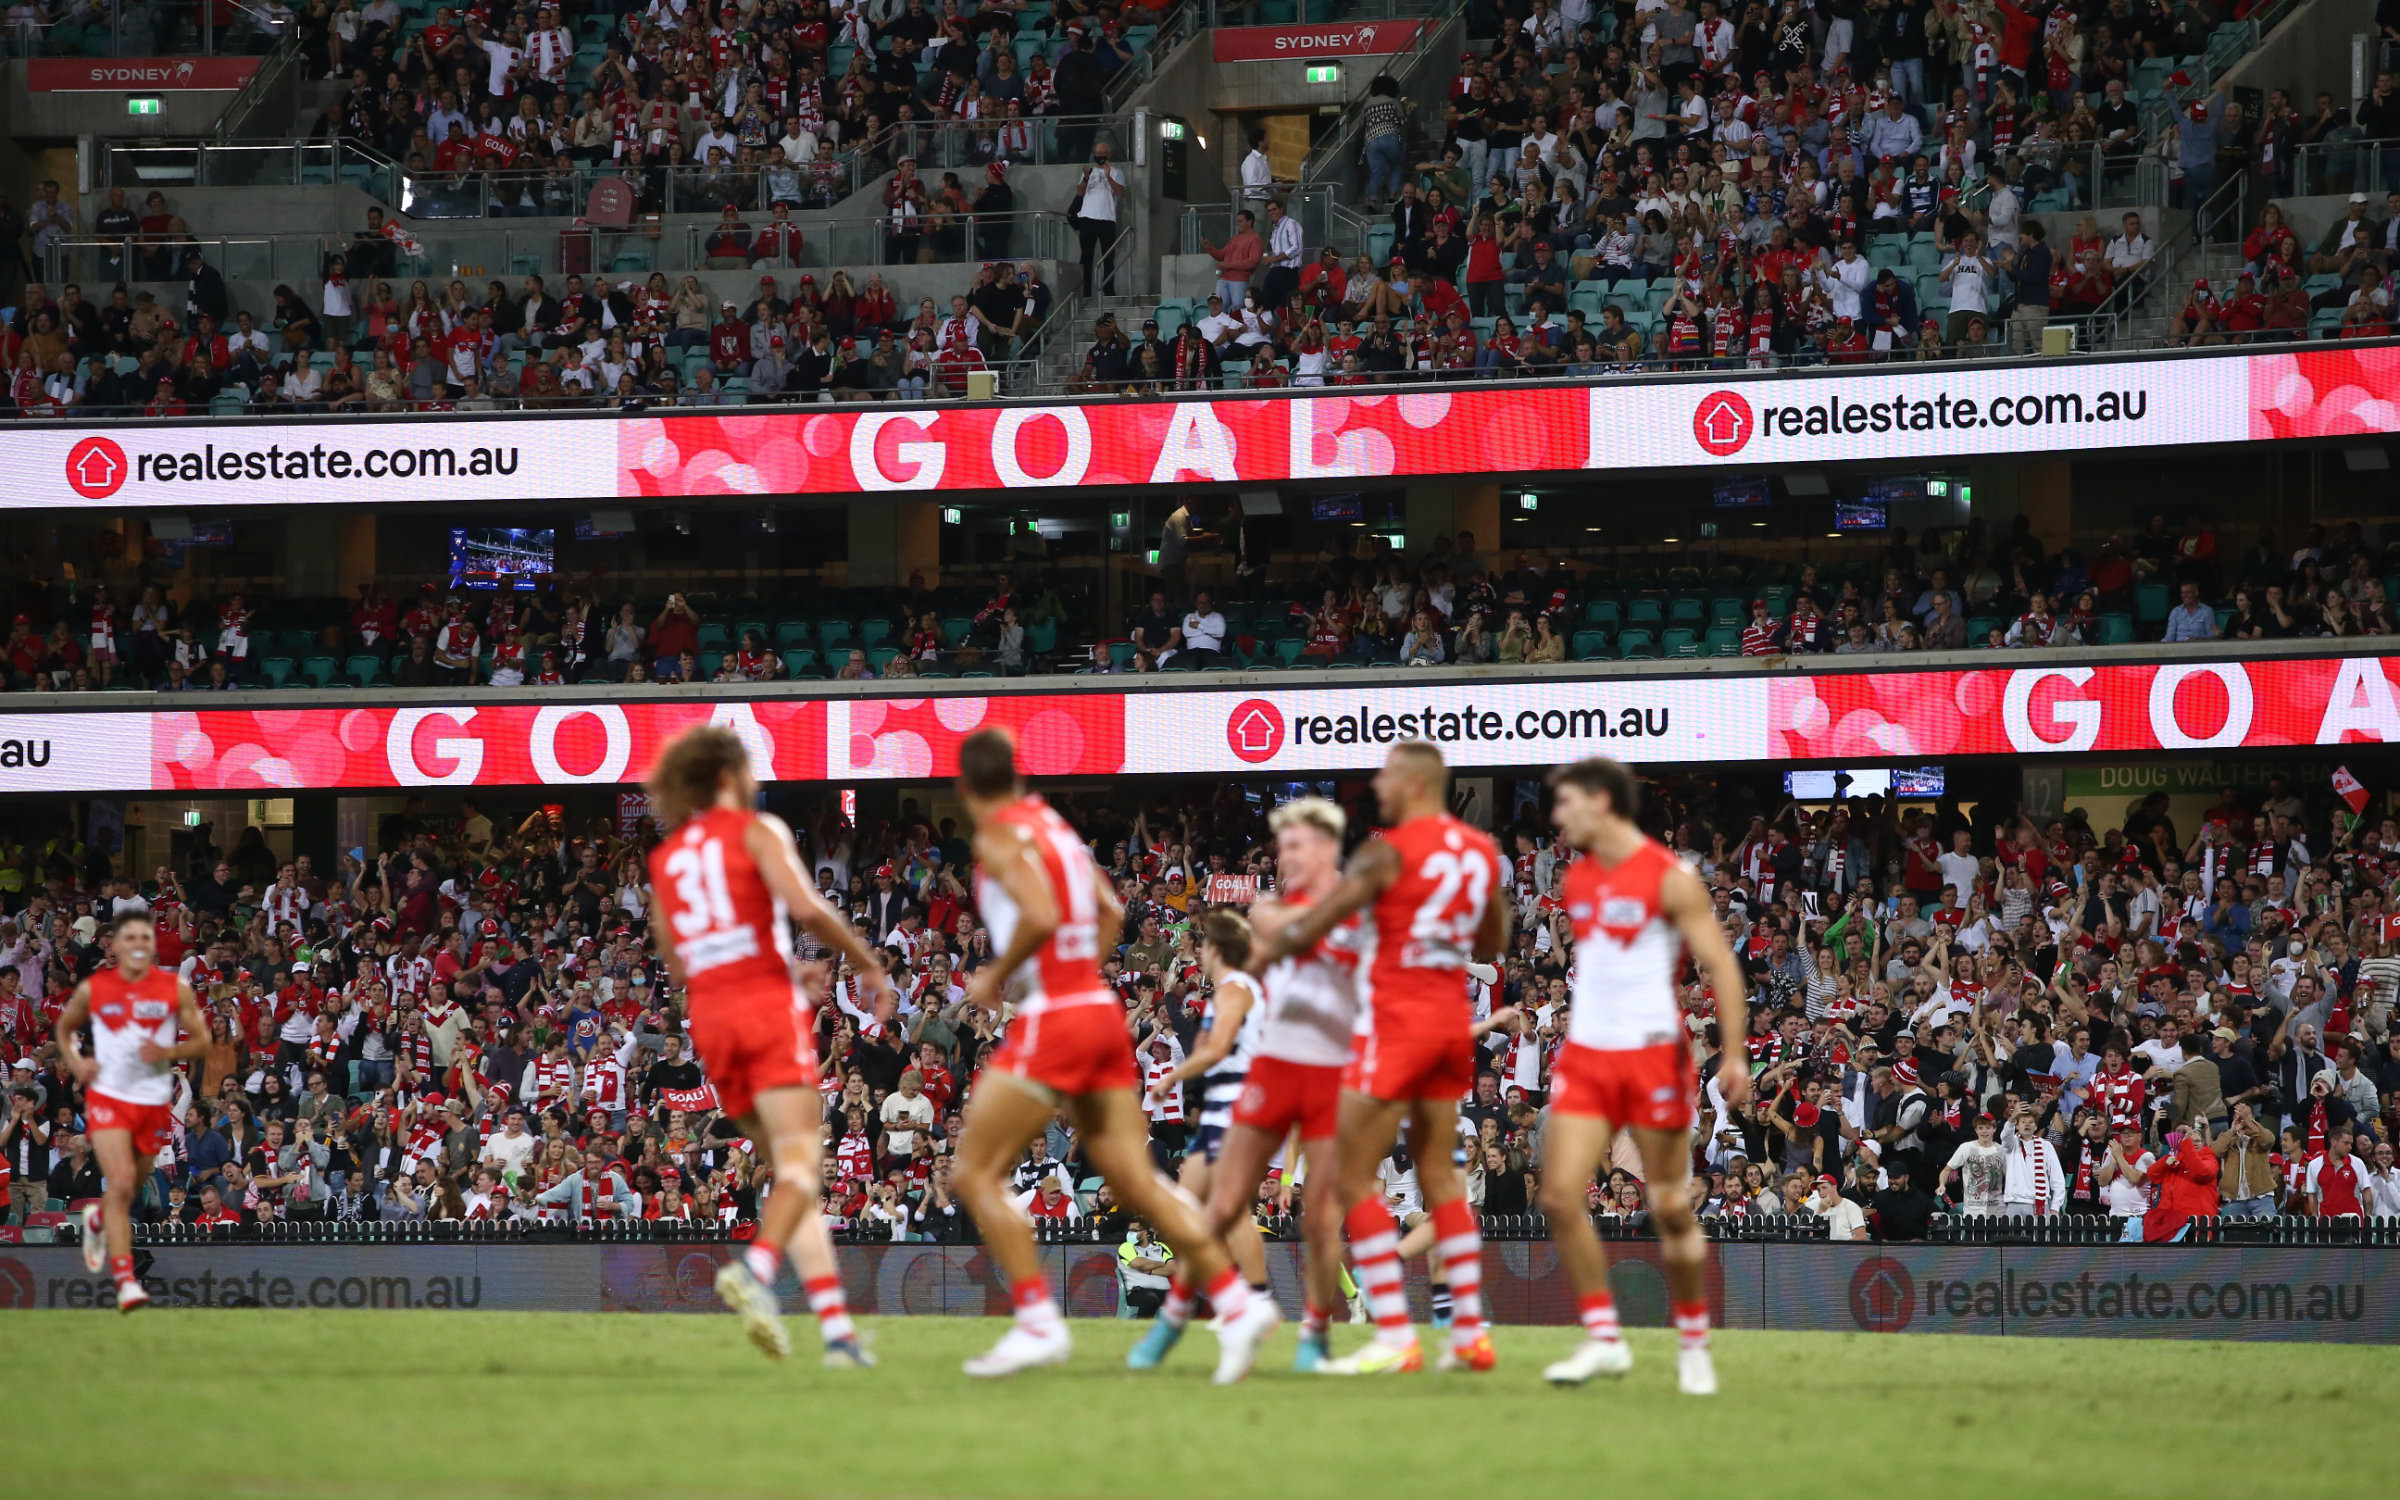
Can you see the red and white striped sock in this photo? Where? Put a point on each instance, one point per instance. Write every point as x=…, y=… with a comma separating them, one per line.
x=1691, y=1325
x=765, y=1262
x=833, y=1314
x=1599, y=1313
x=1229, y=1295
x=1460, y=1245
x=1375, y=1250
x=120, y=1269
x=1036, y=1313
x=1176, y=1311
x=1314, y=1320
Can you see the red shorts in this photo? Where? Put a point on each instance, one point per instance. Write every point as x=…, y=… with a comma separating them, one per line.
x=1279, y=1094
x=1646, y=1087
x=150, y=1124
x=1413, y=1063
x=751, y=1042
x=1082, y=1049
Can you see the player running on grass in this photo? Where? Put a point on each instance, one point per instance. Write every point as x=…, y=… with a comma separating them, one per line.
x=1051, y=914
x=1626, y=1063
x=1425, y=886
x=725, y=883
x=128, y=1081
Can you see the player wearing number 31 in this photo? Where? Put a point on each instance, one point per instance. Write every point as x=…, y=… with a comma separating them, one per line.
x=1425, y=885
x=726, y=882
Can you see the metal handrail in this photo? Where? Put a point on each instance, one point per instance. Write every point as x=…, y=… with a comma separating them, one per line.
x=862, y=244
x=274, y=70
x=1334, y=159
x=2344, y=162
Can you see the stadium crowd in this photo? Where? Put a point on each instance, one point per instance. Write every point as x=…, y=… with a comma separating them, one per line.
x=543, y=344
x=1353, y=604
x=1958, y=1013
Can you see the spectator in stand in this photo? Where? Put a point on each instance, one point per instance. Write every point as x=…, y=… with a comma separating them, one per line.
x=2191, y=620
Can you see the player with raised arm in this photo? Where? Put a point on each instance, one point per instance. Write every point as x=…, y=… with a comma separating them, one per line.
x=1627, y=1063
x=726, y=882
x=134, y=1010
x=1424, y=886
x=1051, y=913
x=1230, y=1027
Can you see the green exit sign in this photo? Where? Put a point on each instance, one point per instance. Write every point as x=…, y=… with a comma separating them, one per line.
x=138, y=105
x=1324, y=72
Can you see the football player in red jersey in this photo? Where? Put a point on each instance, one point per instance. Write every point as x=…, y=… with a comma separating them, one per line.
x=1051, y=914
x=725, y=882
x=1293, y=1084
x=1425, y=887
x=1627, y=1065
x=134, y=1009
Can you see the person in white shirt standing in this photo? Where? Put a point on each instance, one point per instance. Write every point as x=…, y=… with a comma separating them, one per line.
x=1258, y=173
x=1981, y=1169
x=1968, y=276
x=2381, y=1187
x=2036, y=1181
x=1845, y=278
x=549, y=50
x=2124, y=1176
x=1279, y=272
x=1097, y=198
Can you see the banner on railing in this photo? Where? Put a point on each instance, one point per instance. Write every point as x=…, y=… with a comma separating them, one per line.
x=1299, y=725
x=2317, y=1295
x=1732, y=420
x=137, y=75
x=1334, y=39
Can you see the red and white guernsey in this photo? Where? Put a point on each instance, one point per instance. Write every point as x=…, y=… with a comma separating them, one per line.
x=1626, y=952
x=1421, y=931
x=732, y=933
x=125, y=1014
x=1312, y=998
x=1065, y=970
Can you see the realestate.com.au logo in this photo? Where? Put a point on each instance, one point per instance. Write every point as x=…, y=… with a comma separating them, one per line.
x=97, y=468
x=1883, y=1296
x=1254, y=731
x=1722, y=423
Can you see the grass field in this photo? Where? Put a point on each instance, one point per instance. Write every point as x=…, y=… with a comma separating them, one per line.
x=457, y=1405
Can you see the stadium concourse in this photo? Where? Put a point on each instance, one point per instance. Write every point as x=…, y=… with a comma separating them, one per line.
x=469, y=1023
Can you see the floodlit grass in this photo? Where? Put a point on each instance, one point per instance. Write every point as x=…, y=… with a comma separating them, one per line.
x=444, y=1406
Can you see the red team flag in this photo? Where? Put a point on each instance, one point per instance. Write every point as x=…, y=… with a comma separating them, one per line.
x=2350, y=790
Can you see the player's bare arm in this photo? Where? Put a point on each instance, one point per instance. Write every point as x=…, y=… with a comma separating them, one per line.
x=1507, y=1016
x=68, y=1031
x=1005, y=854
x=773, y=850
x=1685, y=901
x=1369, y=874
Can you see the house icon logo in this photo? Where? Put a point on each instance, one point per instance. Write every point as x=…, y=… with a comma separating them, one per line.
x=1883, y=1296
x=16, y=1284
x=1723, y=423
x=1254, y=730
x=96, y=468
